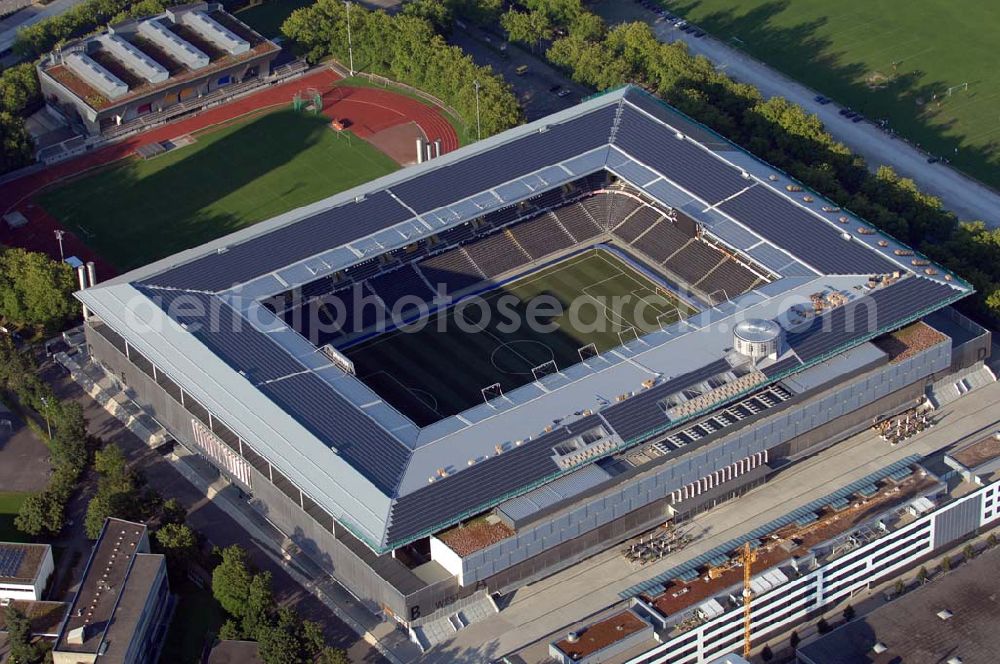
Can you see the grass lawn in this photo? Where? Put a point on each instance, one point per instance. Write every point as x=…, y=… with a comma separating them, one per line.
x=267, y=17
x=197, y=614
x=138, y=211
x=601, y=301
x=10, y=503
x=885, y=59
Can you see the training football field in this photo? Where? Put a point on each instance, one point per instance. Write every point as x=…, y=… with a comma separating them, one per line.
x=529, y=327
x=135, y=212
x=893, y=60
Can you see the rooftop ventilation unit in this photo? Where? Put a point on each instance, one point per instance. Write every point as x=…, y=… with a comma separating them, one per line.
x=211, y=30
x=96, y=76
x=176, y=47
x=134, y=59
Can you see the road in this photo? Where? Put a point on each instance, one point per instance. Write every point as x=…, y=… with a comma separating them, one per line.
x=968, y=198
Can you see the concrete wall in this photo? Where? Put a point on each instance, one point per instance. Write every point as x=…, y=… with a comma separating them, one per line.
x=381, y=582
x=802, y=420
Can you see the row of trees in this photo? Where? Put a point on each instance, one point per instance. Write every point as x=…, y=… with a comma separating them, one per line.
x=44, y=512
x=19, y=97
x=406, y=48
x=245, y=594
x=779, y=131
x=35, y=291
x=82, y=19
x=22, y=649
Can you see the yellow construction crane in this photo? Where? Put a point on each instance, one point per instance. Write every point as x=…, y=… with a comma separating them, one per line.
x=748, y=556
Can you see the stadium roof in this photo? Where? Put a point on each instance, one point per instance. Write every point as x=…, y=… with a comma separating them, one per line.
x=370, y=466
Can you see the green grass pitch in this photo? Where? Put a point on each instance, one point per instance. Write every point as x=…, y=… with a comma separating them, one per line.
x=135, y=212
x=430, y=372
x=886, y=59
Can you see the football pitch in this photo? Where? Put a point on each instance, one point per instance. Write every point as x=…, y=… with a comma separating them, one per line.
x=885, y=59
x=135, y=212
x=543, y=322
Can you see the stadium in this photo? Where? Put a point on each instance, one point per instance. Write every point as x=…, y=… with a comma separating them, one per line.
x=350, y=365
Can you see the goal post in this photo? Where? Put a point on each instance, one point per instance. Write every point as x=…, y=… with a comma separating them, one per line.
x=628, y=335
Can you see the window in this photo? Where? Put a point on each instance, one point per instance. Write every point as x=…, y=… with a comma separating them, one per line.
x=318, y=514
x=285, y=486
x=112, y=337
x=169, y=386
x=140, y=361
x=195, y=408
x=226, y=435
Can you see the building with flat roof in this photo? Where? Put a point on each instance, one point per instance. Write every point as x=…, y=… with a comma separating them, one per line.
x=425, y=493
x=25, y=570
x=951, y=620
x=806, y=562
x=148, y=67
x=121, y=611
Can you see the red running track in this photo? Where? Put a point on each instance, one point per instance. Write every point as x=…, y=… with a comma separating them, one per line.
x=370, y=109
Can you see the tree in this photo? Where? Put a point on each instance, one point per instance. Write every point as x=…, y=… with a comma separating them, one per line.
x=172, y=512
x=35, y=290
x=281, y=643
x=231, y=580
x=946, y=564
x=18, y=627
x=179, y=544
x=848, y=613
x=529, y=28
x=922, y=575
x=899, y=588
x=118, y=493
x=822, y=626
x=794, y=640
x=436, y=12
x=313, y=641
x=333, y=656
x=766, y=654
x=991, y=541
x=259, y=607
x=969, y=552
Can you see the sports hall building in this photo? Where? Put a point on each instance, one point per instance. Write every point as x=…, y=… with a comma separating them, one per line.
x=154, y=68
x=801, y=325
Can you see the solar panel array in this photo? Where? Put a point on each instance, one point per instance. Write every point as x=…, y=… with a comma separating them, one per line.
x=866, y=316
x=481, y=484
x=642, y=413
x=443, y=186
x=680, y=160
x=794, y=228
x=10, y=561
x=307, y=398
x=286, y=245
x=689, y=569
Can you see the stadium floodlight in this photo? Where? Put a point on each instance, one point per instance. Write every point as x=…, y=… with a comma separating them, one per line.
x=587, y=352
x=479, y=127
x=491, y=392
x=544, y=369
x=623, y=335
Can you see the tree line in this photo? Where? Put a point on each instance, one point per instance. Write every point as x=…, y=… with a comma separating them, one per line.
x=406, y=48
x=44, y=512
x=35, y=292
x=19, y=98
x=780, y=132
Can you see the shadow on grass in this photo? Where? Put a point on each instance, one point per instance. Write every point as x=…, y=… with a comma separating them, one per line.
x=915, y=107
x=229, y=179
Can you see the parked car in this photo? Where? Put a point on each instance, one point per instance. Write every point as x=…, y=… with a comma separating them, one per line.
x=822, y=100
x=521, y=70
x=555, y=88
x=564, y=92
x=681, y=24
x=698, y=33
x=857, y=118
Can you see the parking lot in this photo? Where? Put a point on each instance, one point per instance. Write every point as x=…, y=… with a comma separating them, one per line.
x=541, y=89
x=24, y=458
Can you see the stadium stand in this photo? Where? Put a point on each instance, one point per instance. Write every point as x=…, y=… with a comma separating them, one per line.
x=394, y=285
x=728, y=276
x=578, y=222
x=661, y=241
x=453, y=268
x=542, y=236
x=456, y=235
x=694, y=261
x=619, y=208
x=496, y=254
x=636, y=223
